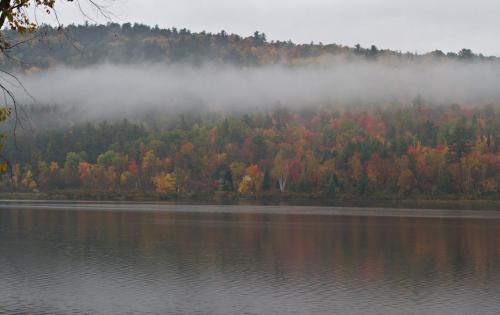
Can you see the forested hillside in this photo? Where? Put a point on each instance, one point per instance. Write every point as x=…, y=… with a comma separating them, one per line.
x=393, y=152
x=385, y=148
x=83, y=45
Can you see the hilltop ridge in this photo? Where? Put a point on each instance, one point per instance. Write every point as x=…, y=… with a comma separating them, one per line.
x=84, y=45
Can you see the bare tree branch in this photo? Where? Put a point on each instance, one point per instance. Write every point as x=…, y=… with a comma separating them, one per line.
x=14, y=13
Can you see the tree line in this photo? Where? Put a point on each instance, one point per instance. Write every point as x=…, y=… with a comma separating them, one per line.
x=381, y=151
x=88, y=44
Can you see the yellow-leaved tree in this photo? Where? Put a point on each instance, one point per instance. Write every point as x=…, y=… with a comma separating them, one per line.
x=165, y=183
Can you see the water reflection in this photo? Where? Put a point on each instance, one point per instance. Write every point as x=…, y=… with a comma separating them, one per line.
x=202, y=263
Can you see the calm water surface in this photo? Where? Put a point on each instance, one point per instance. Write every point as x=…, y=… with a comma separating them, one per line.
x=62, y=259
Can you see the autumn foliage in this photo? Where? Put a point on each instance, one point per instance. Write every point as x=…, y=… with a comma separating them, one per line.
x=387, y=152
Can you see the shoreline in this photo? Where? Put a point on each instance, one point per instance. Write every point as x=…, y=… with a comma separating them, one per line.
x=289, y=200
x=148, y=207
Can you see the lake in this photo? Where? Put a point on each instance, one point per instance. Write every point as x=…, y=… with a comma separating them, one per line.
x=62, y=258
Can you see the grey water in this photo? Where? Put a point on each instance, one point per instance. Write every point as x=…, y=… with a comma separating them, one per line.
x=61, y=258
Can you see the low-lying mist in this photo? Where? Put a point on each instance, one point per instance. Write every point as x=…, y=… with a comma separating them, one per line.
x=117, y=91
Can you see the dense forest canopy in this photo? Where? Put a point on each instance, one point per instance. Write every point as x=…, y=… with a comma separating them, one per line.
x=261, y=118
x=384, y=152
x=84, y=45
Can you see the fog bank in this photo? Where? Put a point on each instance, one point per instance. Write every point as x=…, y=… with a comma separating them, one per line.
x=120, y=90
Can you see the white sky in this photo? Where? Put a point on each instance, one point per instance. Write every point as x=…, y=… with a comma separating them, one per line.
x=407, y=25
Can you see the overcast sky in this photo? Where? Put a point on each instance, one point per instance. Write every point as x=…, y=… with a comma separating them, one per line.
x=407, y=25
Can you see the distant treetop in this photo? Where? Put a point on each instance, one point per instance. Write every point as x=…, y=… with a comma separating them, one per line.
x=88, y=44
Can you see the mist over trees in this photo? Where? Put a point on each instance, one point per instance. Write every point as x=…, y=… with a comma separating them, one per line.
x=223, y=114
x=19, y=19
x=115, y=71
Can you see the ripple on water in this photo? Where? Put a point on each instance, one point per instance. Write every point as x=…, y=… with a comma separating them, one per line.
x=164, y=263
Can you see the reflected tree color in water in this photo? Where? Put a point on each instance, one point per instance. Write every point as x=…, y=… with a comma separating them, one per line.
x=105, y=262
